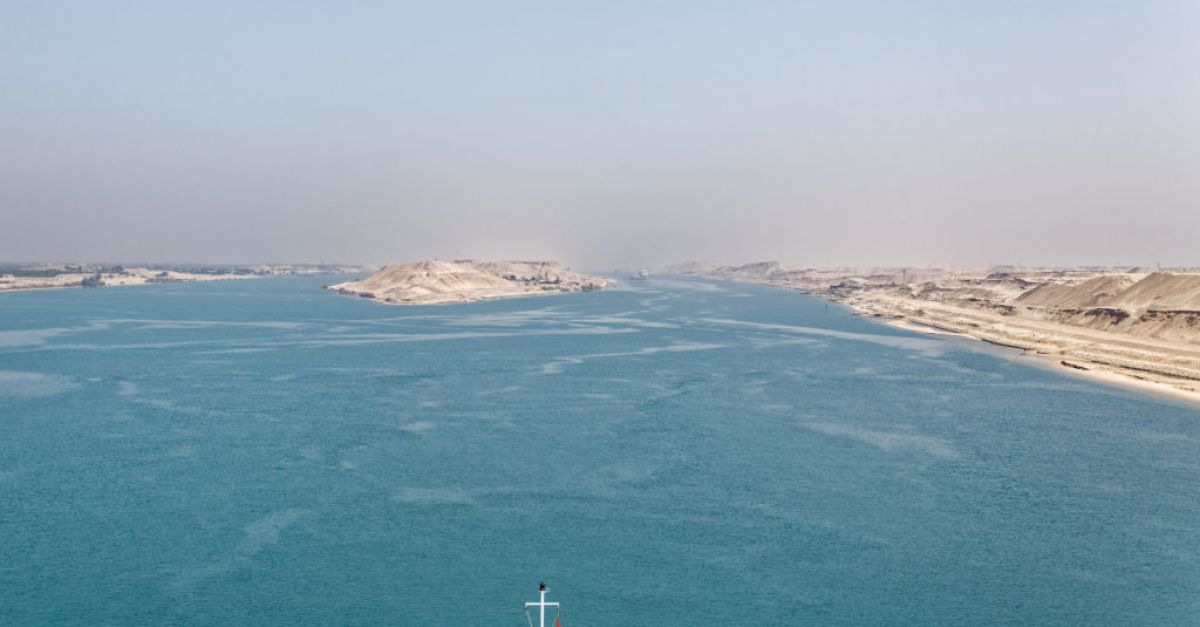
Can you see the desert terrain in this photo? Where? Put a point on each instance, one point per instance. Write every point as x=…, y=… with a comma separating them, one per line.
x=436, y=282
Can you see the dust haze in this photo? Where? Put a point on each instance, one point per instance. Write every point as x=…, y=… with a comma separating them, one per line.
x=609, y=135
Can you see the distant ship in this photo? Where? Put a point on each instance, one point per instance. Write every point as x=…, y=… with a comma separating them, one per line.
x=641, y=275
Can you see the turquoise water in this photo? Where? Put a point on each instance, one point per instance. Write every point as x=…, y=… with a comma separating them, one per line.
x=677, y=453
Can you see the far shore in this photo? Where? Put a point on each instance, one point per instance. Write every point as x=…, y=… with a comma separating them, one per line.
x=36, y=277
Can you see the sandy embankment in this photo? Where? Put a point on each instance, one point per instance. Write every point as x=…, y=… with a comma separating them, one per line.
x=437, y=282
x=1146, y=363
x=1122, y=326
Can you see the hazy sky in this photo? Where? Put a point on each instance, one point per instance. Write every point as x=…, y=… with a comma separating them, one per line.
x=602, y=134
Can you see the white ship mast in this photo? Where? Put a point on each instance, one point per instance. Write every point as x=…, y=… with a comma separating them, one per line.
x=541, y=605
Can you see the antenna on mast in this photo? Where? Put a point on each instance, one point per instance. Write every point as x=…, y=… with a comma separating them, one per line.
x=541, y=605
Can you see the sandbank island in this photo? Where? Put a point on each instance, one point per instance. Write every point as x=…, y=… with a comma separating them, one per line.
x=1122, y=325
x=436, y=282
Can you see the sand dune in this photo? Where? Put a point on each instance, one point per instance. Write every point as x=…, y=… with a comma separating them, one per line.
x=433, y=282
x=1162, y=291
x=1096, y=292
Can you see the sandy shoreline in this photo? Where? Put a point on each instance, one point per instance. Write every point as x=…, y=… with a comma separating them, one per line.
x=13, y=290
x=1133, y=327
x=1147, y=364
x=1086, y=372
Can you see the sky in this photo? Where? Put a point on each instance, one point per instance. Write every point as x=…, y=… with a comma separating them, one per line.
x=604, y=134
